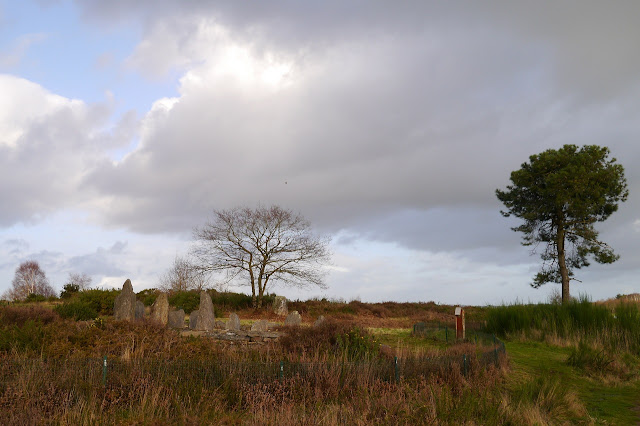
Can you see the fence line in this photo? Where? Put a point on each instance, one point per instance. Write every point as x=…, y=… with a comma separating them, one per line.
x=211, y=373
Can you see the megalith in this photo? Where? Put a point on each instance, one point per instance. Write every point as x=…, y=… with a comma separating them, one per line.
x=193, y=319
x=206, y=318
x=280, y=306
x=175, y=319
x=234, y=322
x=321, y=320
x=139, y=311
x=160, y=309
x=124, y=307
x=293, y=318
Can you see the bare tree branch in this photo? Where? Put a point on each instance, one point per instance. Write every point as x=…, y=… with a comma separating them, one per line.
x=265, y=246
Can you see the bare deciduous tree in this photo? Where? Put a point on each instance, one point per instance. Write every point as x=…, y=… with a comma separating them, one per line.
x=183, y=276
x=29, y=279
x=264, y=246
x=82, y=280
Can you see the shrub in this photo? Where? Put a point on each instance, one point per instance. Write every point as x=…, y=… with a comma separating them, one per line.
x=76, y=310
x=100, y=300
x=357, y=343
x=69, y=290
x=19, y=315
x=33, y=297
x=187, y=300
x=148, y=296
x=301, y=340
x=331, y=338
x=30, y=335
x=232, y=301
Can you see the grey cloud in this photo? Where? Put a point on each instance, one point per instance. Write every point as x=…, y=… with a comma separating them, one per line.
x=590, y=45
x=100, y=263
x=399, y=122
x=367, y=129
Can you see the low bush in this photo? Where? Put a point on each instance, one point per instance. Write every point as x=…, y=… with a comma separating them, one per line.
x=100, y=300
x=76, y=310
x=69, y=290
x=148, y=296
x=35, y=298
x=29, y=336
x=301, y=341
x=19, y=315
x=187, y=300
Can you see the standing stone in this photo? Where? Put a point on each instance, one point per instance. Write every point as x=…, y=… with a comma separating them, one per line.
x=139, y=313
x=124, y=307
x=193, y=319
x=293, y=318
x=280, y=306
x=160, y=309
x=261, y=325
x=175, y=319
x=319, y=321
x=234, y=322
x=206, y=318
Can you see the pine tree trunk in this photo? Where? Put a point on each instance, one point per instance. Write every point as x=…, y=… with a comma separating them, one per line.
x=562, y=264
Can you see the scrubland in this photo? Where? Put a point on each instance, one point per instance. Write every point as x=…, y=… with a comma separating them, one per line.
x=564, y=364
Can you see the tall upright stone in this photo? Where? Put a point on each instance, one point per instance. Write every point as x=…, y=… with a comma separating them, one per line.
x=234, y=322
x=139, y=311
x=124, y=307
x=206, y=318
x=160, y=309
x=175, y=319
x=280, y=306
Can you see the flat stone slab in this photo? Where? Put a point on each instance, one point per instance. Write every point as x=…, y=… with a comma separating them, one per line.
x=235, y=335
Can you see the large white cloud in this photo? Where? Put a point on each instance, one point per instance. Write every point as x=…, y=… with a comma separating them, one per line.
x=394, y=122
x=358, y=124
x=48, y=144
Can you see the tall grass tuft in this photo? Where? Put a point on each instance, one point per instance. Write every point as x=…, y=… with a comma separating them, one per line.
x=578, y=320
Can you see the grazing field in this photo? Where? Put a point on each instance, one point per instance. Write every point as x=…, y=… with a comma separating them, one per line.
x=364, y=365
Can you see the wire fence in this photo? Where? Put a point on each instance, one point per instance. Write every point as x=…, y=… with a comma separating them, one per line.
x=89, y=372
x=488, y=347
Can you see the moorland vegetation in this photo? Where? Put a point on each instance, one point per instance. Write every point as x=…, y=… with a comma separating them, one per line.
x=564, y=363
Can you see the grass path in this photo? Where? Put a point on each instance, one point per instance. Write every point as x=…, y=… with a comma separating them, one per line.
x=606, y=403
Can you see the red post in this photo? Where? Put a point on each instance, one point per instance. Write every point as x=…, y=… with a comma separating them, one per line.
x=460, y=326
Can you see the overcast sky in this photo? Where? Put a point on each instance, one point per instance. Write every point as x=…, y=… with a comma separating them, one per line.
x=389, y=125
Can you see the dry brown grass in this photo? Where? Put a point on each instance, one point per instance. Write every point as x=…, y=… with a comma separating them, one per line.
x=59, y=380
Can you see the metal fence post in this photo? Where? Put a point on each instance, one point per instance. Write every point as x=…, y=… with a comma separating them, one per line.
x=397, y=371
x=104, y=371
x=281, y=369
x=446, y=334
x=464, y=364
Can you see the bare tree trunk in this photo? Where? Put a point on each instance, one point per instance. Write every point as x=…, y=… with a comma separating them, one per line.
x=562, y=264
x=260, y=296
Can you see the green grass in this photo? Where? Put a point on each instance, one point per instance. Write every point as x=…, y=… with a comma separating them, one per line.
x=617, y=329
x=606, y=403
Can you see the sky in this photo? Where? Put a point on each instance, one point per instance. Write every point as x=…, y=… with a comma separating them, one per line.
x=387, y=125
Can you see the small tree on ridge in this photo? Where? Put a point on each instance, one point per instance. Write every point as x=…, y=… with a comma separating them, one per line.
x=29, y=279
